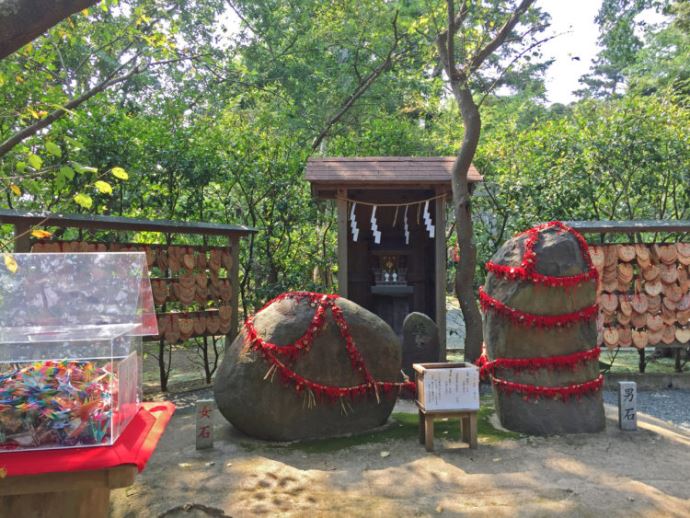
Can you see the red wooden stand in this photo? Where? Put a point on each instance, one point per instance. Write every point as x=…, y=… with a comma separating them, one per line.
x=76, y=482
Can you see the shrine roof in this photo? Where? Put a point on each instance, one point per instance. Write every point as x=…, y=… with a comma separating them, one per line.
x=328, y=173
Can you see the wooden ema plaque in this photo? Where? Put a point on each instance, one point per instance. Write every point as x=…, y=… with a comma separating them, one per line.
x=447, y=390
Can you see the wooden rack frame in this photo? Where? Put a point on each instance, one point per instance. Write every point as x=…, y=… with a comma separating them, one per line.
x=24, y=222
x=635, y=230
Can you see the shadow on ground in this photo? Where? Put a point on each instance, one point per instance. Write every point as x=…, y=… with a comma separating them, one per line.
x=388, y=473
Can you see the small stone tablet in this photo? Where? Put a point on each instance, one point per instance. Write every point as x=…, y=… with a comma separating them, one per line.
x=204, y=424
x=627, y=405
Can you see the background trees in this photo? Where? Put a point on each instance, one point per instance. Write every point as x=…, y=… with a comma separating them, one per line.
x=210, y=109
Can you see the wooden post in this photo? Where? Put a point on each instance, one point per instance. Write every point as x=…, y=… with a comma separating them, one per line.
x=429, y=432
x=440, y=268
x=22, y=237
x=234, y=243
x=343, y=236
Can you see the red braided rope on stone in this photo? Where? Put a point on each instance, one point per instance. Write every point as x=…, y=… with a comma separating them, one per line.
x=535, y=391
x=527, y=268
x=565, y=361
x=270, y=351
x=522, y=318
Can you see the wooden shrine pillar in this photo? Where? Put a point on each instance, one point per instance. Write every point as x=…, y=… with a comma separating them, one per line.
x=234, y=244
x=341, y=201
x=440, y=267
x=22, y=237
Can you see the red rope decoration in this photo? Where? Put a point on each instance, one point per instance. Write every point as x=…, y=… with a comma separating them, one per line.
x=527, y=268
x=565, y=361
x=522, y=318
x=304, y=342
x=291, y=351
x=535, y=391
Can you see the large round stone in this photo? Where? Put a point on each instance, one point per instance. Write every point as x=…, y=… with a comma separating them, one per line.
x=557, y=254
x=273, y=410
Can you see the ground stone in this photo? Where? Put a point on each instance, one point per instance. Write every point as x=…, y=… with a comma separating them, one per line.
x=558, y=254
x=275, y=411
x=420, y=341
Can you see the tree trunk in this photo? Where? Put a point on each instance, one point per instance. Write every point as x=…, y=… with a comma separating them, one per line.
x=464, y=276
x=22, y=21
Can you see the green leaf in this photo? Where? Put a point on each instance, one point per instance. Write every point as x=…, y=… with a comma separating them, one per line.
x=120, y=173
x=81, y=168
x=35, y=161
x=83, y=200
x=20, y=167
x=103, y=187
x=67, y=172
x=10, y=263
x=53, y=149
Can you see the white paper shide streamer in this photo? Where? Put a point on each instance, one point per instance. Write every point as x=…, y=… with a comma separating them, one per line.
x=407, y=227
x=430, y=228
x=353, y=223
x=374, y=227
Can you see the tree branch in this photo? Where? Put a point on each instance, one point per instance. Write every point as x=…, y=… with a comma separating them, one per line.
x=510, y=65
x=22, y=21
x=29, y=131
x=500, y=36
x=361, y=89
x=111, y=80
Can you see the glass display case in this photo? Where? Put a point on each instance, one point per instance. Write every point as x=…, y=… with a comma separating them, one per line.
x=71, y=327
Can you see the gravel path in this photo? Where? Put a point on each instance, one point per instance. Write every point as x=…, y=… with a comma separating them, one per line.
x=668, y=405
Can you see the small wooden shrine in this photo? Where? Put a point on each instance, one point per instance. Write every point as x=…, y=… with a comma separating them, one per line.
x=391, y=231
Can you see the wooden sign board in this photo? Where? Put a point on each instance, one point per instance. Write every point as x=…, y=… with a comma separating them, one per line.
x=447, y=386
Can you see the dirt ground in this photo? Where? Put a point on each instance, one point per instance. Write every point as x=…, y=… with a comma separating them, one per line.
x=642, y=473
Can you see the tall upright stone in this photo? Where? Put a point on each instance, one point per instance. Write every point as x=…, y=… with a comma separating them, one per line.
x=421, y=342
x=557, y=254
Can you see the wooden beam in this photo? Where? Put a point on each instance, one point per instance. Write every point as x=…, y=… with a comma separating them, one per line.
x=440, y=269
x=329, y=191
x=342, y=241
x=626, y=227
x=234, y=282
x=111, y=478
x=119, y=223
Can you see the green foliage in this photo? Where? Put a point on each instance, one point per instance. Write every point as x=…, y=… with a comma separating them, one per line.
x=221, y=127
x=664, y=62
x=619, y=159
x=620, y=44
